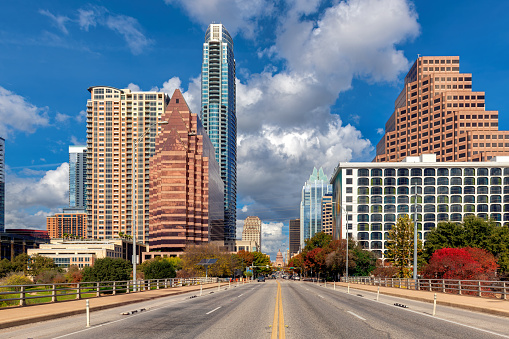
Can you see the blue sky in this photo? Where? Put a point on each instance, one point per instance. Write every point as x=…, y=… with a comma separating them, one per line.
x=317, y=80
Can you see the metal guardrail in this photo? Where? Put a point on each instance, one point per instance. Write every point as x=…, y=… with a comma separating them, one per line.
x=90, y=289
x=480, y=288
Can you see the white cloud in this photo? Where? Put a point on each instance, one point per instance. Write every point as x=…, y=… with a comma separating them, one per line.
x=82, y=115
x=87, y=18
x=58, y=20
x=60, y=117
x=18, y=114
x=26, y=194
x=134, y=87
x=273, y=239
x=236, y=15
x=130, y=30
x=380, y=131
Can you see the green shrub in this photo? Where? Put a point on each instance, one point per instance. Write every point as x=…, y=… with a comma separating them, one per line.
x=16, y=279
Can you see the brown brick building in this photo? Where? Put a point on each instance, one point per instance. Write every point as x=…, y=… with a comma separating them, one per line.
x=68, y=222
x=186, y=190
x=437, y=112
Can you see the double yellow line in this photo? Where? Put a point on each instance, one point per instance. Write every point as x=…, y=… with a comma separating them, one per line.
x=278, y=313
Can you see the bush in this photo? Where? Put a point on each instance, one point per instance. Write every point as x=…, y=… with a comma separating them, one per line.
x=50, y=277
x=158, y=269
x=16, y=279
x=74, y=274
x=108, y=269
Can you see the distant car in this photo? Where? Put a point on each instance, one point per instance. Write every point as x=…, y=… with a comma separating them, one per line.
x=261, y=278
x=296, y=277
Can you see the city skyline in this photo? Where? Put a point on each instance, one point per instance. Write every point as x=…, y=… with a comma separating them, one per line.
x=301, y=100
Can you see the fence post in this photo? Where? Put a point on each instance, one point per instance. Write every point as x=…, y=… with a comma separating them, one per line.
x=53, y=293
x=504, y=295
x=78, y=291
x=166, y=283
x=114, y=288
x=430, y=283
x=97, y=290
x=22, y=301
x=479, y=288
x=443, y=286
x=127, y=287
x=459, y=287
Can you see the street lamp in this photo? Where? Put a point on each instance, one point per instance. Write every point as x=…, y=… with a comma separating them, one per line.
x=135, y=197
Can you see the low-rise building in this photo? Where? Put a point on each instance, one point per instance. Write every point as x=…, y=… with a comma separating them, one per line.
x=85, y=252
x=72, y=221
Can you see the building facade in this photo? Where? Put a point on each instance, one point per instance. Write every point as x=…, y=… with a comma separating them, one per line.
x=294, y=237
x=84, y=253
x=186, y=190
x=311, y=205
x=218, y=114
x=78, y=176
x=327, y=214
x=70, y=221
x=2, y=184
x=120, y=124
x=14, y=243
x=371, y=196
x=438, y=112
x=252, y=231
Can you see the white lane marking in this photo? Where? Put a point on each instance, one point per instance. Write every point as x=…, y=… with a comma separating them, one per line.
x=240, y=295
x=355, y=315
x=320, y=296
x=215, y=309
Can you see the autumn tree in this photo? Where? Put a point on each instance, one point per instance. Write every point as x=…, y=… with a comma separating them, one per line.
x=246, y=257
x=461, y=263
x=400, y=246
x=319, y=240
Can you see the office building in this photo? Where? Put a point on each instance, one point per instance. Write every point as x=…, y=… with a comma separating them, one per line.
x=120, y=124
x=439, y=112
x=311, y=205
x=327, y=214
x=78, y=176
x=186, y=190
x=218, y=114
x=252, y=231
x=371, y=196
x=71, y=222
x=294, y=237
x=14, y=243
x=84, y=253
x=2, y=184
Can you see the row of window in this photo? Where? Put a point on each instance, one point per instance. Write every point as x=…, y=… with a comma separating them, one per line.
x=433, y=217
x=428, y=172
x=431, y=199
x=432, y=208
x=429, y=181
x=378, y=190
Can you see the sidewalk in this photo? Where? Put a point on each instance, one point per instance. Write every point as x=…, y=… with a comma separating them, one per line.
x=494, y=306
x=16, y=316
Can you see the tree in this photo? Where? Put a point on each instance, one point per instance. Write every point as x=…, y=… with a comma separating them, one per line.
x=260, y=259
x=461, y=263
x=74, y=274
x=400, y=246
x=473, y=232
x=39, y=264
x=365, y=262
x=158, y=268
x=315, y=260
x=21, y=263
x=108, y=269
x=319, y=240
x=193, y=254
x=246, y=257
x=6, y=267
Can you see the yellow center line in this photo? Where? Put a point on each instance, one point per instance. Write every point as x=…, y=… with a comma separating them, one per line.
x=278, y=316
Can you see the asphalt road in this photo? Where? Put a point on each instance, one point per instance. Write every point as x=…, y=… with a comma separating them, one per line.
x=248, y=311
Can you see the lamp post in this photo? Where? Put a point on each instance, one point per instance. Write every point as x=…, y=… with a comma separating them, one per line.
x=135, y=197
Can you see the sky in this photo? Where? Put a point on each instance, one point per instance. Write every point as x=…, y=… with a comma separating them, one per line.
x=316, y=82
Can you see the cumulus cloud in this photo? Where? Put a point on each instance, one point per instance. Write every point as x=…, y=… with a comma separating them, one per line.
x=44, y=195
x=60, y=117
x=236, y=15
x=58, y=20
x=380, y=131
x=134, y=87
x=129, y=29
x=18, y=114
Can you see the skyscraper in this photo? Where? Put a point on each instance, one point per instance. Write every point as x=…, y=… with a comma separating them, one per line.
x=186, y=190
x=327, y=214
x=438, y=112
x=218, y=114
x=78, y=176
x=311, y=204
x=2, y=184
x=294, y=237
x=252, y=231
x=116, y=120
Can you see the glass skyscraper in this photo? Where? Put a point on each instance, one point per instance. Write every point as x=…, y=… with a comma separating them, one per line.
x=78, y=176
x=2, y=184
x=311, y=204
x=218, y=114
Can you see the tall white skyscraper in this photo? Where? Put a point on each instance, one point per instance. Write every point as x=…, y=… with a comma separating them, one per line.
x=311, y=204
x=116, y=119
x=218, y=113
x=252, y=231
x=78, y=176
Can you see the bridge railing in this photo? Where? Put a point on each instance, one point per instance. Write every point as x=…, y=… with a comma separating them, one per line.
x=480, y=288
x=22, y=295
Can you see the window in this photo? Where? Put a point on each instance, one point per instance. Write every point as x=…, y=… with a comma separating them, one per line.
x=363, y=172
x=349, y=181
x=429, y=172
x=389, y=172
x=376, y=172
